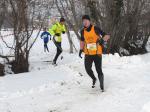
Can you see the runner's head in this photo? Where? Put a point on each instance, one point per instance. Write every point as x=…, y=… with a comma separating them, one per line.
x=86, y=21
x=62, y=20
x=44, y=29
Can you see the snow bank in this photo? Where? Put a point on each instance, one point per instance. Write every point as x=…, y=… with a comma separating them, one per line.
x=67, y=87
x=146, y=107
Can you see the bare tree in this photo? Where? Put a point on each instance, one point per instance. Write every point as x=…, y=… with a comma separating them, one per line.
x=2, y=15
x=124, y=20
x=2, y=12
x=67, y=9
x=24, y=21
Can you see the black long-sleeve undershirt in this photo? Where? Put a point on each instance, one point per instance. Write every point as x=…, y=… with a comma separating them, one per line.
x=98, y=31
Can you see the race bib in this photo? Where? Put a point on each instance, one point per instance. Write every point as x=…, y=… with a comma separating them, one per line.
x=58, y=39
x=92, y=46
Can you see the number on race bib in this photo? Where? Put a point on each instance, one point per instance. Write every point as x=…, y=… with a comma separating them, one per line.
x=92, y=46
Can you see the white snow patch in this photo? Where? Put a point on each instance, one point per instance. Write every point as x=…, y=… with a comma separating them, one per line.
x=67, y=87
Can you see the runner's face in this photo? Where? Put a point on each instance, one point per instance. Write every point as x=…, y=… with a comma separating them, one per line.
x=86, y=23
x=63, y=22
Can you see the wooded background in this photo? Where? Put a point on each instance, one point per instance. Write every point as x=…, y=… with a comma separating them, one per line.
x=127, y=22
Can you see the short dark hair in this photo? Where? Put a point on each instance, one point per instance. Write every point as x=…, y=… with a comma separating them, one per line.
x=62, y=19
x=44, y=28
x=86, y=17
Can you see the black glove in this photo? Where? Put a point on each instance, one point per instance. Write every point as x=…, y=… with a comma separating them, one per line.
x=101, y=41
x=63, y=32
x=80, y=53
x=57, y=34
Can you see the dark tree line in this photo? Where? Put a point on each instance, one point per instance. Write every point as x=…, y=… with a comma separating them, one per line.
x=127, y=21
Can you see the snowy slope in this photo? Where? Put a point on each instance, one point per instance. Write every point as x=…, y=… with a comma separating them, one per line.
x=67, y=88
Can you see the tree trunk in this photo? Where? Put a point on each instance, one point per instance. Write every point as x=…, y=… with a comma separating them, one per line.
x=1, y=69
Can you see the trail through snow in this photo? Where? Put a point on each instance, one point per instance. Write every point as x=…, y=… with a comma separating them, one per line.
x=67, y=87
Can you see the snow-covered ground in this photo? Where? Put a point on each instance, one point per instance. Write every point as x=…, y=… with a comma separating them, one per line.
x=67, y=87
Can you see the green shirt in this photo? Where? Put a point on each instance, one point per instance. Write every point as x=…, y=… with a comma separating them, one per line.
x=57, y=28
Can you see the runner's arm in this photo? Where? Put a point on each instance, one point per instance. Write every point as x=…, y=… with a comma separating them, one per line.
x=52, y=30
x=82, y=40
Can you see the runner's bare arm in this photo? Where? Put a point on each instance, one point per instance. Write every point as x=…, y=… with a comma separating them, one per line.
x=81, y=45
